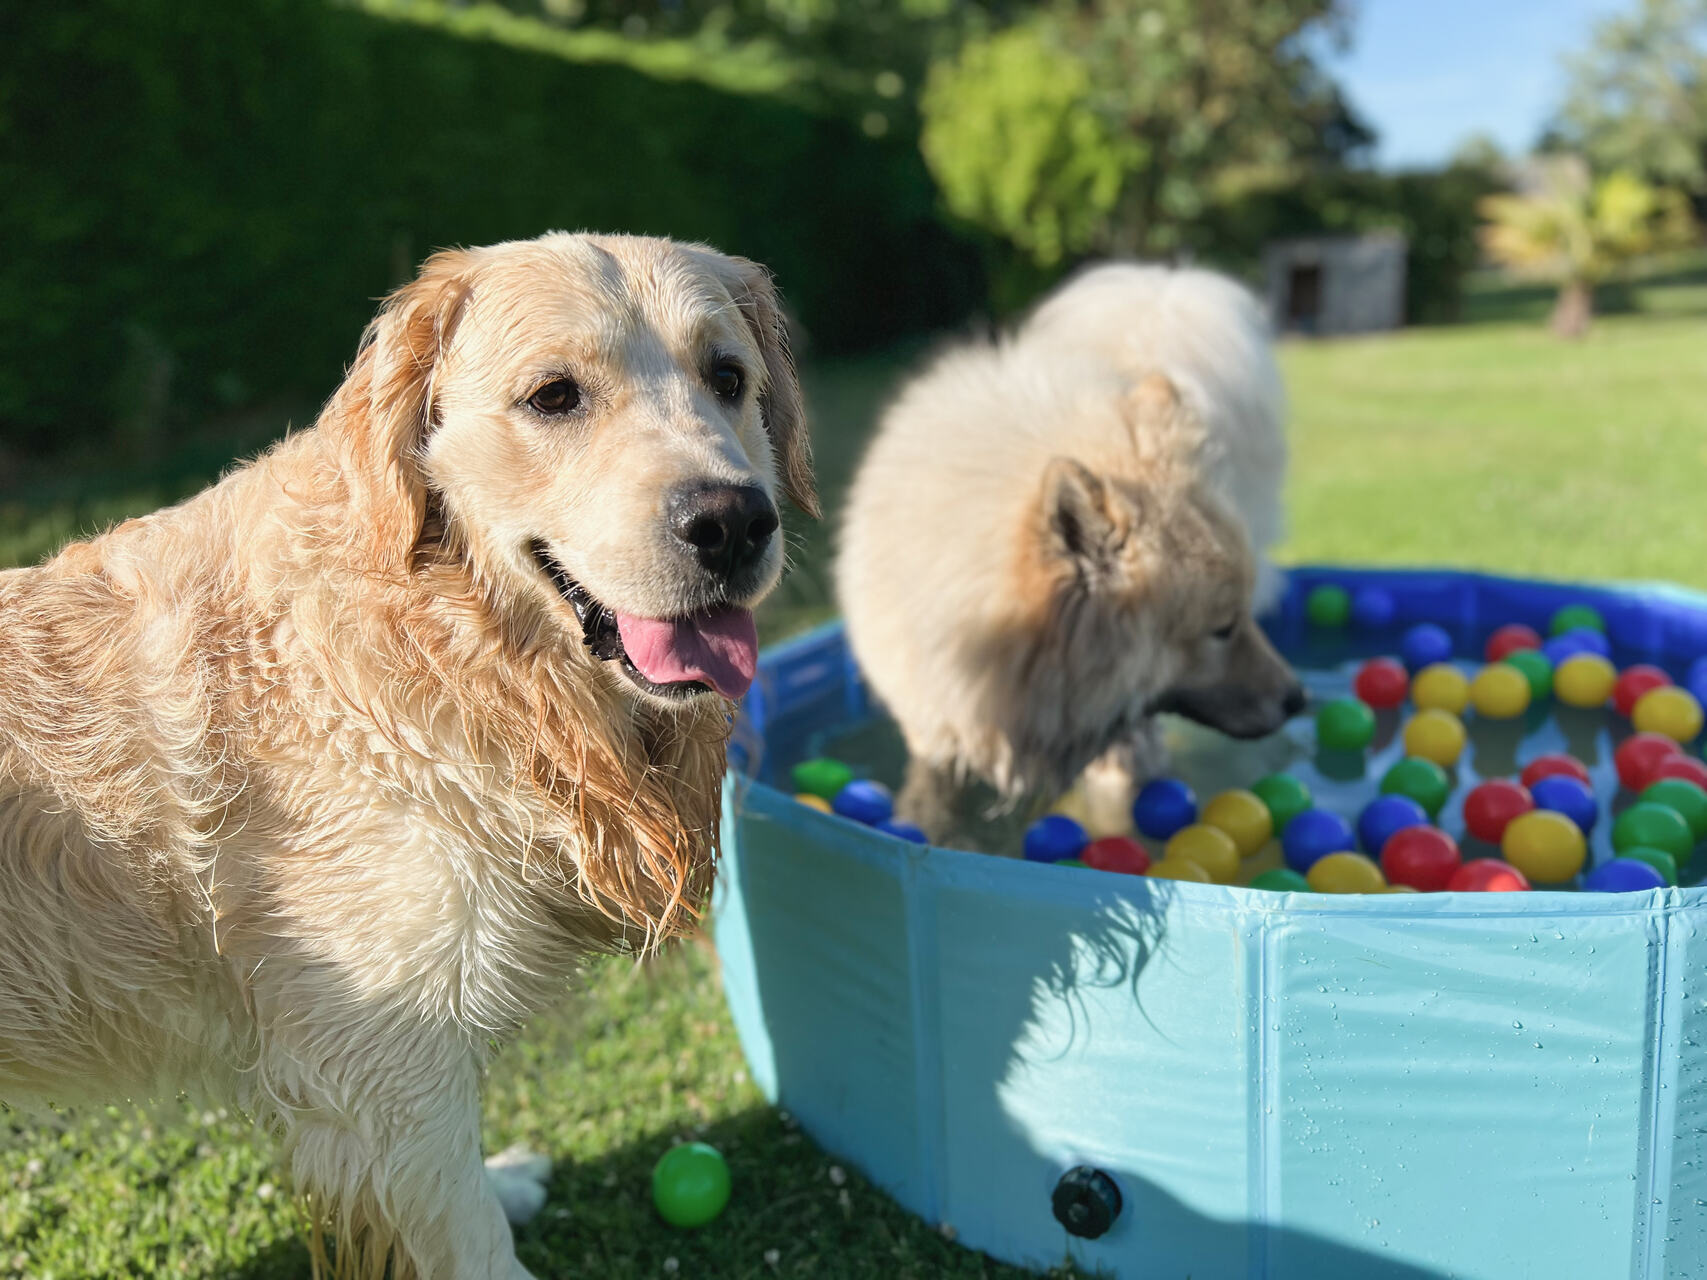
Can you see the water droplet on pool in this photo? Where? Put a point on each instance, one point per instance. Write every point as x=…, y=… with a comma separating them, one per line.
x=1518, y=1025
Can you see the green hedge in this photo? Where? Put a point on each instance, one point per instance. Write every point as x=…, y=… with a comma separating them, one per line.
x=202, y=197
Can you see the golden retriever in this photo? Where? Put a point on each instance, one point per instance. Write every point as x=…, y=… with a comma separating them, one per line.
x=313, y=784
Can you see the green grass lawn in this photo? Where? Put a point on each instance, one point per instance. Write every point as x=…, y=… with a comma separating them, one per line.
x=1490, y=444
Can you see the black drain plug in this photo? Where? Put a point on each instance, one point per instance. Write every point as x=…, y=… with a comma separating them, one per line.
x=1086, y=1201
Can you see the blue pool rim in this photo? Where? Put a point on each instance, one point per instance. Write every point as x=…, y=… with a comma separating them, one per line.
x=841, y=946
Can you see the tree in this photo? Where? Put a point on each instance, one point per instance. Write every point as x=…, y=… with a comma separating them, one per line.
x=1576, y=232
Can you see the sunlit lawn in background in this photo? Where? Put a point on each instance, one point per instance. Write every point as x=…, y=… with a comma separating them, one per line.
x=1491, y=445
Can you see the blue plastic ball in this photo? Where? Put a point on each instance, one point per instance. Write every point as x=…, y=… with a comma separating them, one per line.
x=1623, y=875
x=1696, y=680
x=1424, y=645
x=1386, y=816
x=1314, y=834
x=1053, y=837
x=1373, y=608
x=903, y=830
x=863, y=801
x=1567, y=795
x=1572, y=643
x=1164, y=806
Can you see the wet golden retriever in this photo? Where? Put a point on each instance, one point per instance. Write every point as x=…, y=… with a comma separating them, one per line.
x=314, y=784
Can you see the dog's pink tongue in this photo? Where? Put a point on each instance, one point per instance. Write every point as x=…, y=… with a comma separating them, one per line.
x=720, y=647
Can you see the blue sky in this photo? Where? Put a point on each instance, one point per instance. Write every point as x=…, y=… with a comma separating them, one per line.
x=1428, y=73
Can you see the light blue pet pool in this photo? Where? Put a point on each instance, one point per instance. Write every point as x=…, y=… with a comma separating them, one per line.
x=1296, y=1087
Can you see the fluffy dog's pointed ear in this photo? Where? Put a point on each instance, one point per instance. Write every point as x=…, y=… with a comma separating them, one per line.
x=1166, y=432
x=1084, y=519
x=386, y=404
x=780, y=403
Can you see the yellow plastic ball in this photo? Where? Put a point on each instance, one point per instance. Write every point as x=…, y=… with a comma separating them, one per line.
x=1242, y=815
x=1345, y=873
x=814, y=802
x=1177, y=869
x=1440, y=687
x=1209, y=847
x=1500, y=692
x=1400, y=888
x=1435, y=735
x=1668, y=710
x=1546, y=846
x=1584, y=680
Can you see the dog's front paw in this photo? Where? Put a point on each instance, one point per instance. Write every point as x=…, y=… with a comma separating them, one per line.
x=518, y=1176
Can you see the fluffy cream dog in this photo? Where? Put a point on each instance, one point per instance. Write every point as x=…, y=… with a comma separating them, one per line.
x=313, y=784
x=1055, y=535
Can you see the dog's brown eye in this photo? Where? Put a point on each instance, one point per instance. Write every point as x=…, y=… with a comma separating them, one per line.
x=558, y=396
x=727, y=379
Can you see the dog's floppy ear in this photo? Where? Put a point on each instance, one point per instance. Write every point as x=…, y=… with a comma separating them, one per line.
x=750, y=285
x=387, y=404
x=1085, y=520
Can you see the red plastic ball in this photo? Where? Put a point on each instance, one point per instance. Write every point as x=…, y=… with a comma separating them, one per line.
x=1116, y=853
x=1382, y=683
x=1510, y=639
x=1426, y=858
x=1553, y=766
x=1487, y=875
x=1681, y=766
x=1639, y=755
x=1633, y=682
x=1489, y=807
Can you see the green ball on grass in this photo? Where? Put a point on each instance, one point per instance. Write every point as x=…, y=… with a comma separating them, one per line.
x=690, y=1184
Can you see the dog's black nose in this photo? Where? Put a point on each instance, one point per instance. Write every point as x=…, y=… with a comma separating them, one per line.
x=727, y=525
x=1295, y=701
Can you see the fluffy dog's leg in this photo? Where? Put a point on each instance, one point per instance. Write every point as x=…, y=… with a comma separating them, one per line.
x=928, y=797
x=1110, y=782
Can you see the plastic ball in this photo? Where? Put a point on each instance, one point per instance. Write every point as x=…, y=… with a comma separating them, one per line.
x=1547, y=847
x=1314, y=834
x=822, y=777
x=1242, y=815
x=1117, y=853
x=1177, y=869
x=1373, y=608
x=1069, y=862
x=1654, y=826
x=1421, y=858
x=1688, y=798
x=1209, y=847
x=1686, y=768
x=1487, y=875
x=1556, y=765
x=863, y=801
x=690, y=1184
x=1422, y=780
x=1572, y=643
x=1280, y=880
x=1624, y=875
x=1658, y=859
x=1424, y=645
x=1576, y=617
x=1536, y=669
x=1053, y=837
x=1163, y=806
x=1328, y=606
x=1384, y=817
x=1499, y=692
x=1382, y=683
x=1435, y=735
x=1569, y=796
x=813, y=802
x=1632, y=683
x=1639, y=755
x=1345, y=873
x=1509, y=639
x=903, y=830
x=1284, y=795
x=1695, y=680
x=1344, y=724
x=1490, y=807
x=1399, y=888
x=1584, y=680
x=1671, y=711
x=1441, y=687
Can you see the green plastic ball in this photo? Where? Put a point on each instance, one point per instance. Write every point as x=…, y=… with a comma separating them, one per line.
x=690, y=1184
x=1536, y=669
x=1577, y=617
x=1281, y=880
x=821, y=777
x=1653, y=826
x=1658, y=859
x=1422, y=780
x=1328, y=606
x=1285, y=796
x=1345, y=724
x=1684, y=796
